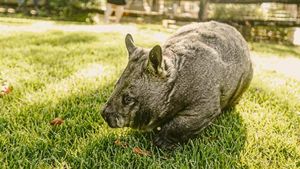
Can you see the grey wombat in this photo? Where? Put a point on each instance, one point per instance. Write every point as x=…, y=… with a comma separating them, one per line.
x=182, y=87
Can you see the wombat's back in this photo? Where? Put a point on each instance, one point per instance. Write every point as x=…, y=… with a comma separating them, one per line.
x=224, y=39
x=219, y=49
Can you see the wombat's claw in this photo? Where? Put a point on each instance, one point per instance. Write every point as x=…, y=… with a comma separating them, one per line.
x=164, y=143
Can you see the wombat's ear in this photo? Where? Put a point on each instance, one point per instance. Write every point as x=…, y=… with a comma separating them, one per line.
x=130, y=44
x=155, y=60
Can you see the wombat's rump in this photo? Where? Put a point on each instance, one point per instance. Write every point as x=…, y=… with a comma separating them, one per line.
x=201, y=70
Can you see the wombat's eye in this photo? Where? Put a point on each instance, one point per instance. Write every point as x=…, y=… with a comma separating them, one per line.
x=127, y=99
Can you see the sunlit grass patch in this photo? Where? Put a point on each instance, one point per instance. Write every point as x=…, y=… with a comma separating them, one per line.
x=275, y=49
x=273, y=123
x=16, y=21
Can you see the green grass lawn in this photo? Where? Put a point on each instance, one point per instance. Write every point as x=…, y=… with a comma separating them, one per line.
x=71, y=75
x=276, y=49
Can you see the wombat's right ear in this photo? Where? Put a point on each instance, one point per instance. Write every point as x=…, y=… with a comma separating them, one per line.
x=155, y=60
x=130, y=44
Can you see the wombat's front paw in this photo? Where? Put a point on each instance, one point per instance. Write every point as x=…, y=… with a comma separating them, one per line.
x=164, y=143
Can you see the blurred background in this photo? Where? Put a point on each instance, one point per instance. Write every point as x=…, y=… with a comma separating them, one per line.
x=258, y=20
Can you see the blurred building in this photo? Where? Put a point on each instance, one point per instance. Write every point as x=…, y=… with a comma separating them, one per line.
x=190, y=9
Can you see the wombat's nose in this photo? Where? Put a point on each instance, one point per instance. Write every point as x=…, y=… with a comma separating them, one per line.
x=106, y=112
x=109, y=116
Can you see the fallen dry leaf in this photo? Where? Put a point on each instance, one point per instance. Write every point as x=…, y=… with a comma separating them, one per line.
x=141, y=152
x=57, y=121
x=119, y=143
x=5, y=89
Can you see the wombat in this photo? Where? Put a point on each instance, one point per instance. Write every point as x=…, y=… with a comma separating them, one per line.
x=182, y=87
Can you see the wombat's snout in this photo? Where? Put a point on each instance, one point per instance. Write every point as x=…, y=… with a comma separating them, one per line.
x=110, y=117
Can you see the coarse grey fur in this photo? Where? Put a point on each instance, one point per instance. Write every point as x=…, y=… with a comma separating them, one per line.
x=182, y=87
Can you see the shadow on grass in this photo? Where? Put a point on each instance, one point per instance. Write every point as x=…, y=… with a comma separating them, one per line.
x=28, y=136
x=217, y=146
x=85, y=141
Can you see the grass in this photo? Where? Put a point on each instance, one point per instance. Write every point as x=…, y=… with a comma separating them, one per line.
x=276, y=49
x=15, y=21
x=71, y=75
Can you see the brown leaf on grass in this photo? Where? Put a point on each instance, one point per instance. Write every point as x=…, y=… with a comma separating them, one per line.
x=57, y=121
x=5, y=89
x=119, y=143
x=141, y=152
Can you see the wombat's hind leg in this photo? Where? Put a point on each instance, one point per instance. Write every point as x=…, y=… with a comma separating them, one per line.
x=185, y=126
x=242, y=86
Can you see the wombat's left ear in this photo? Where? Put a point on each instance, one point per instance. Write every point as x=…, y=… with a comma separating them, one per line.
x=155, y=60
x=130, y=44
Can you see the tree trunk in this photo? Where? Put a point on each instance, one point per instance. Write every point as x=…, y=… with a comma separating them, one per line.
x=161, y=6
x=298, y=14
x=203, y=10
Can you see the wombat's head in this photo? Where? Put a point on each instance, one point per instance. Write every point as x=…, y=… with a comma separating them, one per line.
x=139, y=95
